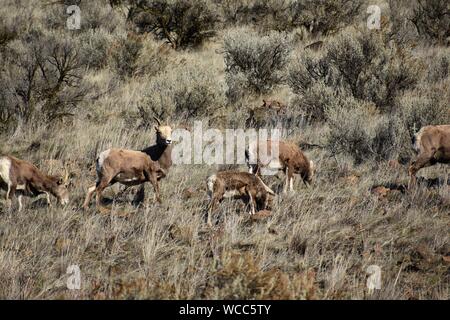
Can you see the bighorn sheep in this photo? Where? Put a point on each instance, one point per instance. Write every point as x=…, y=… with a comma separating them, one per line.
x=432, y=144
x=131, y=168
x=274, y=105
x=162, y=150
x=127, y=167
x=22, y=177
x=266, y=114
x=290, y=160
x=243, y=185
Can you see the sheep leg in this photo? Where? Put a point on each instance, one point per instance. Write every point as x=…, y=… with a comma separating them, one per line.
x=47, y=195
x=154, y=182
x=291, y=178
x=11, y=195
x=286, y=184
x=102, y=185
x=19, y=198
x=89, y=195
x=212, y=206
x=8, y=193
x=252, y=203
x=423, y=160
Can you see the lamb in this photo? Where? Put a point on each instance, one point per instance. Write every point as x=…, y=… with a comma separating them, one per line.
x=243, y=185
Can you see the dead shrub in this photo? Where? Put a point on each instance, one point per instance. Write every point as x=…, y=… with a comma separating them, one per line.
x=182, y=23
x=239, y=277
x=42, y=80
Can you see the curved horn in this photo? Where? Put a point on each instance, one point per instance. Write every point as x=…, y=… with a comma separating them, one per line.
x=157, y=120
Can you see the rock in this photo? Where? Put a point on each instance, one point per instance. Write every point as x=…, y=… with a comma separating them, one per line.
x=260, y=215
x=381, y=192
x=188, y=193
x=62, y=244
x=394, y=164
x=352, y=179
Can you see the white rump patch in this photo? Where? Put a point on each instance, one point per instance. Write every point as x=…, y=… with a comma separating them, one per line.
x=210, y=184
x=5, y=169
x=231, y=193
x=101, y=159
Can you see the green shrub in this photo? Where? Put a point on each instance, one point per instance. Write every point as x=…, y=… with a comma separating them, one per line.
x=354, y=130
x=125, y=53
x=317, y=16
x=94, y=48
x=357, y=64
x=184, y=92
x=426, y=106
x=439, y=66
x=254, y=63
x=432, y=19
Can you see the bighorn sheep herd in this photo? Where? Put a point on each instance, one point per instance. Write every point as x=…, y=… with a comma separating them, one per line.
x=130, y=168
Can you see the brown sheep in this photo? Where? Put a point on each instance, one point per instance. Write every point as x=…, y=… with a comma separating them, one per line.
x=22, y=177
x=291, y=160
x=127, y=167
x=432, y=144
x=243, y=185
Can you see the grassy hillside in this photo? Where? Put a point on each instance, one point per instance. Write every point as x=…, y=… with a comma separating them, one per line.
x=359, y=94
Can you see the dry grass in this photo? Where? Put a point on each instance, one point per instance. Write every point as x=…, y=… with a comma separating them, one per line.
x=315, y=244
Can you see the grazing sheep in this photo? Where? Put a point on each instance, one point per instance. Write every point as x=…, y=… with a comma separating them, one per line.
x=290, y=159
x=25, y=179
x=127, y=167
x=243, y=185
